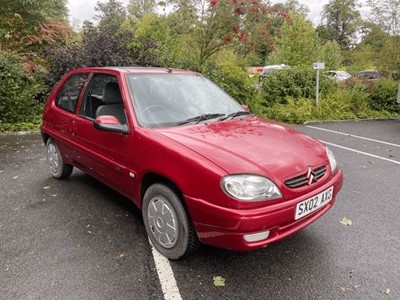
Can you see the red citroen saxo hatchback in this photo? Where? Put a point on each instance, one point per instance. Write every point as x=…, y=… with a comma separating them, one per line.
x=198, y=164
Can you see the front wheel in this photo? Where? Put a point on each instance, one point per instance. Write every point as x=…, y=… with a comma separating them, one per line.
x=167, y=223
x=54, y=159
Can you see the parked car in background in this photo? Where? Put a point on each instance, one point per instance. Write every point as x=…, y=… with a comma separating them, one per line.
x=369, y=75
x=267, y=70
x=338, y=75
x=198, y=165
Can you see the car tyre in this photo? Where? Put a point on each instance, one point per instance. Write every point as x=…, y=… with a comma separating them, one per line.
x=57, y=167
x=167, y=223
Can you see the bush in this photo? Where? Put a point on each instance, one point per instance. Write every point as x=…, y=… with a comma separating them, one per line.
x=384, y=96
x=293, y=82
x=345, y=103
x=18, y=90
x=294, y=111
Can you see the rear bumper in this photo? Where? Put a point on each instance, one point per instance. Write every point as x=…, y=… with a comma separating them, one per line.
x=225, y=227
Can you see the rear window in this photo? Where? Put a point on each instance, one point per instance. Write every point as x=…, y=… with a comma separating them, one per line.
x=67, y=99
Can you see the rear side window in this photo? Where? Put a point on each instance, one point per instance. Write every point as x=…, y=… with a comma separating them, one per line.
x=67, y=99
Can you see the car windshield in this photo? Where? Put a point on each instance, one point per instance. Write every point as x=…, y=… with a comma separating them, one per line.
x=343, y=74
x=165, y=100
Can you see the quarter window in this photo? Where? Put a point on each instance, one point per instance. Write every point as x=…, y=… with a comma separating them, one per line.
x=68, y=97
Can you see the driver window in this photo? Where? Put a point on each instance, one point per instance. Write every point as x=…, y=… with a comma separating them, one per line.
x=103, y=97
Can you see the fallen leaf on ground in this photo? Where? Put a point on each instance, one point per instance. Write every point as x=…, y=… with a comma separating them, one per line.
x=346, y=222
x=219, y=281
x=46, y=187
x=122, y=254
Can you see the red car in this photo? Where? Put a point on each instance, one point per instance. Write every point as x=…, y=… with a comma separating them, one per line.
x=199, y=165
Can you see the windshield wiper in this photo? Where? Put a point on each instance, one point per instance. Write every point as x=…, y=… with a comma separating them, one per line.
x=234, y=115
x=202, y=117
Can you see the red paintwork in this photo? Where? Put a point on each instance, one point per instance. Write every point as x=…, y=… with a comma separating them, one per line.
x=195, y=158
x=107, y=120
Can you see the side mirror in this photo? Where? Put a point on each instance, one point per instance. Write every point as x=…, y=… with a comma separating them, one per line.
x=110, y=124
x=246, y=107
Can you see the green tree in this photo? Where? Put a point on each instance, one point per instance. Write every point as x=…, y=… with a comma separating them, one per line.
x=389, y=58
x=331, y=54
x=111, y=15
x=104, y=44
x=298, y=44
x=293, y=7
x=152, y=42
x=340, y=22
x=386, y=13
x=224, y=24
x=26, y=24
x=18, y=89
x=137, y=8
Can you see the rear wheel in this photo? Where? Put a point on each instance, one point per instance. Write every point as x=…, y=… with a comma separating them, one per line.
x=54, y=159
x=167, y=223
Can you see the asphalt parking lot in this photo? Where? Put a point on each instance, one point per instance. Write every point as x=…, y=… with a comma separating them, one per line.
x=77, y=239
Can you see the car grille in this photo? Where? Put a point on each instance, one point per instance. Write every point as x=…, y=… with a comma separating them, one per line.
x=303, y=180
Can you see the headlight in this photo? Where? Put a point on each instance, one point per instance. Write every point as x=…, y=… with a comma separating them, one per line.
x=250, y=187
x=332, y=159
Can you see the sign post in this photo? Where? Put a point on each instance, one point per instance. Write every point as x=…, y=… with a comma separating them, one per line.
x=318, y=66
x=398, y=94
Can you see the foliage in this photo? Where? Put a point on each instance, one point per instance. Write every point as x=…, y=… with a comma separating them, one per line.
x=383, y=96
x=17, y=91
x=293, y=7
x=386, y=14
x=341, y=19
x=103, y=45
x=362, y=58
x=27, y=24
x=298, y=44
x=378, y=48
x=342, y=104
x=331, y=54
x=294, y=82
x=137, y=8
x=389, y=58
x=152, y=43
x=239, y=24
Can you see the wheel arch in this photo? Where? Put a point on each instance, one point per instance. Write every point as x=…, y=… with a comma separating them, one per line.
x=45, y=137
x=152, y=178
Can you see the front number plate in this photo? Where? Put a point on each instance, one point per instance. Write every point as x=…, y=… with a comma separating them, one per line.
x=312, y=204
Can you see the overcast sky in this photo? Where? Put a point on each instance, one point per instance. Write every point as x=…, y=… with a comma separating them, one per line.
x=84, y=10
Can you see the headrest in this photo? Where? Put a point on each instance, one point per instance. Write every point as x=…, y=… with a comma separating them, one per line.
x=111, y=94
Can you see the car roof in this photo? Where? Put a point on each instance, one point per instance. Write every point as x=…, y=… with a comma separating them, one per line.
x=127, y=70
x=368, y=71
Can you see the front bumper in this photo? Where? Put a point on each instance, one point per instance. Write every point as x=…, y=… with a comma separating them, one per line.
x=225, y=227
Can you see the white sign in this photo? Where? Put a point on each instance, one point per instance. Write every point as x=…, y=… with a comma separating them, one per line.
x=318, y=66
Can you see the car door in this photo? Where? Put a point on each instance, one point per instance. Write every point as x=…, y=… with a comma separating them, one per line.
x=61, y=114
x=104, y=155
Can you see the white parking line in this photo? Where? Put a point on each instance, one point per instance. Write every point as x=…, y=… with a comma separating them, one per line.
x=361, y=152
x=167, y=279
x=354, y=136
